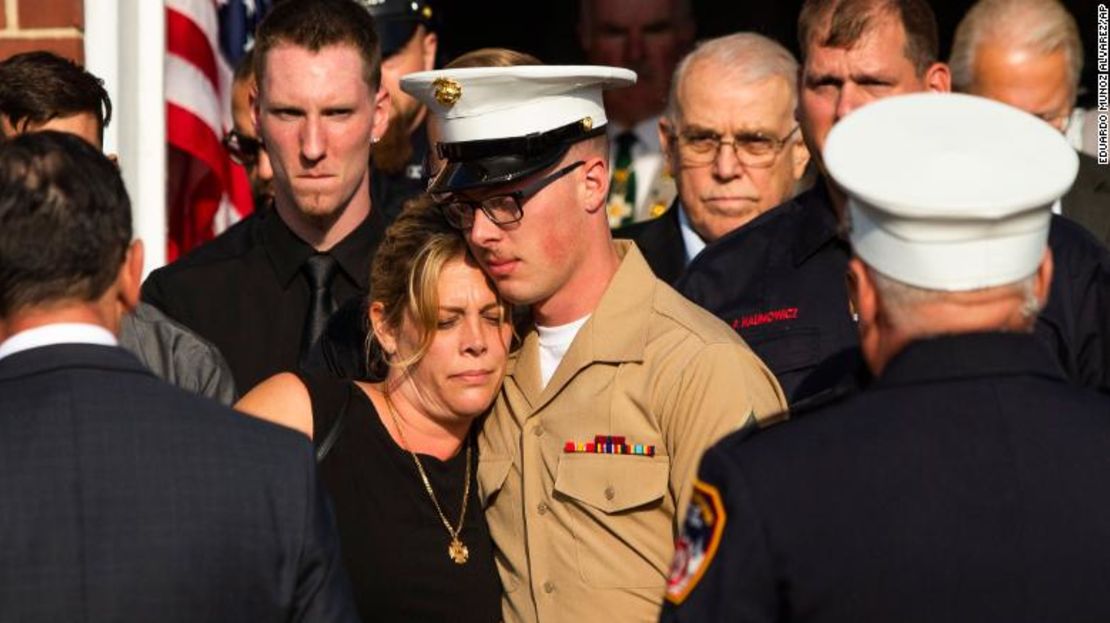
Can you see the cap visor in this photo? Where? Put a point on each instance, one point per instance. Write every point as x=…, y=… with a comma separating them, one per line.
x=493, y=170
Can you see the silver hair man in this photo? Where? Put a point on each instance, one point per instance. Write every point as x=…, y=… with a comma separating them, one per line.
x=744, y=58
x=1002, y=44
x=729, y=133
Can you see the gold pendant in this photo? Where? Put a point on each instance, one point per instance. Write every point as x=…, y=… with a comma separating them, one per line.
x=457, y=551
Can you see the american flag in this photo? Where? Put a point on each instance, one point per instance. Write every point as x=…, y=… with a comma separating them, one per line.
x=206, y=191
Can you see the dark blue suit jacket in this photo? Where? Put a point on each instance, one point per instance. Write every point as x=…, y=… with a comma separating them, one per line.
x=125, y=499
x=968, y=483
x=660, y=241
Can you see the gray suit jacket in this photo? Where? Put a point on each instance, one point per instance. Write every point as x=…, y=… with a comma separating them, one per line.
x=177, y=355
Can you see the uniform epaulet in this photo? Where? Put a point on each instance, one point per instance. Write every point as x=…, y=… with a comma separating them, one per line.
x=822, y=399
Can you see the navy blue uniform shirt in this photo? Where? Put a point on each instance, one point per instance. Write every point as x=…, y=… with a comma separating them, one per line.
x=967, y=483
x=779, y=282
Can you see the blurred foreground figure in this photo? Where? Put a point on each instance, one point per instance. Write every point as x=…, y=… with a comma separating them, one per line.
x=1027, y=53
x=127, y=499
x=43, y=91
x=967, y=483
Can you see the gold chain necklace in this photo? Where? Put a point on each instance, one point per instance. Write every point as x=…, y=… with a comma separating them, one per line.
x=456, y=549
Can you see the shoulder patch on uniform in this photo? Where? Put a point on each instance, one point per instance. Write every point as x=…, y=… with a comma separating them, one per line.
x=696, y=546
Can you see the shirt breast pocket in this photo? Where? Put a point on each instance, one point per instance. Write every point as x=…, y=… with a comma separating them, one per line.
x=499, y=509
x=786, y=349
x=621, y=515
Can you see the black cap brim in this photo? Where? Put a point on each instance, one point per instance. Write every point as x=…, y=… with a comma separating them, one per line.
x=476, y=164
x=493, y=170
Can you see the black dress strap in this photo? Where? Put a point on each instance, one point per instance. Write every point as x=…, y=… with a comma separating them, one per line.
x=329, y=397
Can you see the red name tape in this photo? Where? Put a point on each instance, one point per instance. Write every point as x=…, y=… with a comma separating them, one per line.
x=775, y=315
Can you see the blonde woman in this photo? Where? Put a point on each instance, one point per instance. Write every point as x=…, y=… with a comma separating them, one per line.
x=399, y=456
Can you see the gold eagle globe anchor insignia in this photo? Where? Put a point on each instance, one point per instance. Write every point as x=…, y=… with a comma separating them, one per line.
x=447, y=91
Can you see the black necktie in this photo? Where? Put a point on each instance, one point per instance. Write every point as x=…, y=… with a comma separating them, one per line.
x=320, y=271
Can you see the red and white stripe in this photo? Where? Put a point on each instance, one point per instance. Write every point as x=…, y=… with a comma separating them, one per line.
x=207, y=192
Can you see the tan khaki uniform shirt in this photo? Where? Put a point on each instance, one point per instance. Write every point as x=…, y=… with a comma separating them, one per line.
x=589, y=537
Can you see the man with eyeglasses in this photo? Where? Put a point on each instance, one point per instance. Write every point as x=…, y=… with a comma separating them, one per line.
x=242, y=142
x=1028, y=54
x=731, y=143
x=780, y=280
x=587, y=459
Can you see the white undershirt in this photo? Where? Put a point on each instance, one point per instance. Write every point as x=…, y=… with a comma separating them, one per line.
x=554, y=344
x=59, y=333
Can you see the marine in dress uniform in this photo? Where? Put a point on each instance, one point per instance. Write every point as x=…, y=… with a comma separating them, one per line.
x=966, y=483
x=583, y=473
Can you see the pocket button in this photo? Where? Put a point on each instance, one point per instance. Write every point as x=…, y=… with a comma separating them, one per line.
x=610, y=492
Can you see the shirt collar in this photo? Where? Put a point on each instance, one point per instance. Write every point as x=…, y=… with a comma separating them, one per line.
x=58, y=333
x=969, y=355
x=617, y=330
x=288, y=253
x=692, y=242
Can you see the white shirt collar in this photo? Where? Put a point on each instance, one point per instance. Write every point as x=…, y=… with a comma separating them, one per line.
x=690, y=238
x=59, y=333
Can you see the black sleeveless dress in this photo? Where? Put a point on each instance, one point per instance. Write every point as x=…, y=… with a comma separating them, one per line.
x=393, y=543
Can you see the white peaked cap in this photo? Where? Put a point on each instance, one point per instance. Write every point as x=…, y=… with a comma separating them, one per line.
x=948, y=191
x=504, y=102
x=504, y=123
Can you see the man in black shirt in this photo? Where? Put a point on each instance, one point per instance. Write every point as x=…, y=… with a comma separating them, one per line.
x=262, y=291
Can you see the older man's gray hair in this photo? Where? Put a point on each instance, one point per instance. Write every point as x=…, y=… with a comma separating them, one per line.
x=1042, y=26
x=742, y=58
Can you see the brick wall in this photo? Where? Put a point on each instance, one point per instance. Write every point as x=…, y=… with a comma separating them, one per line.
x=55, y=25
